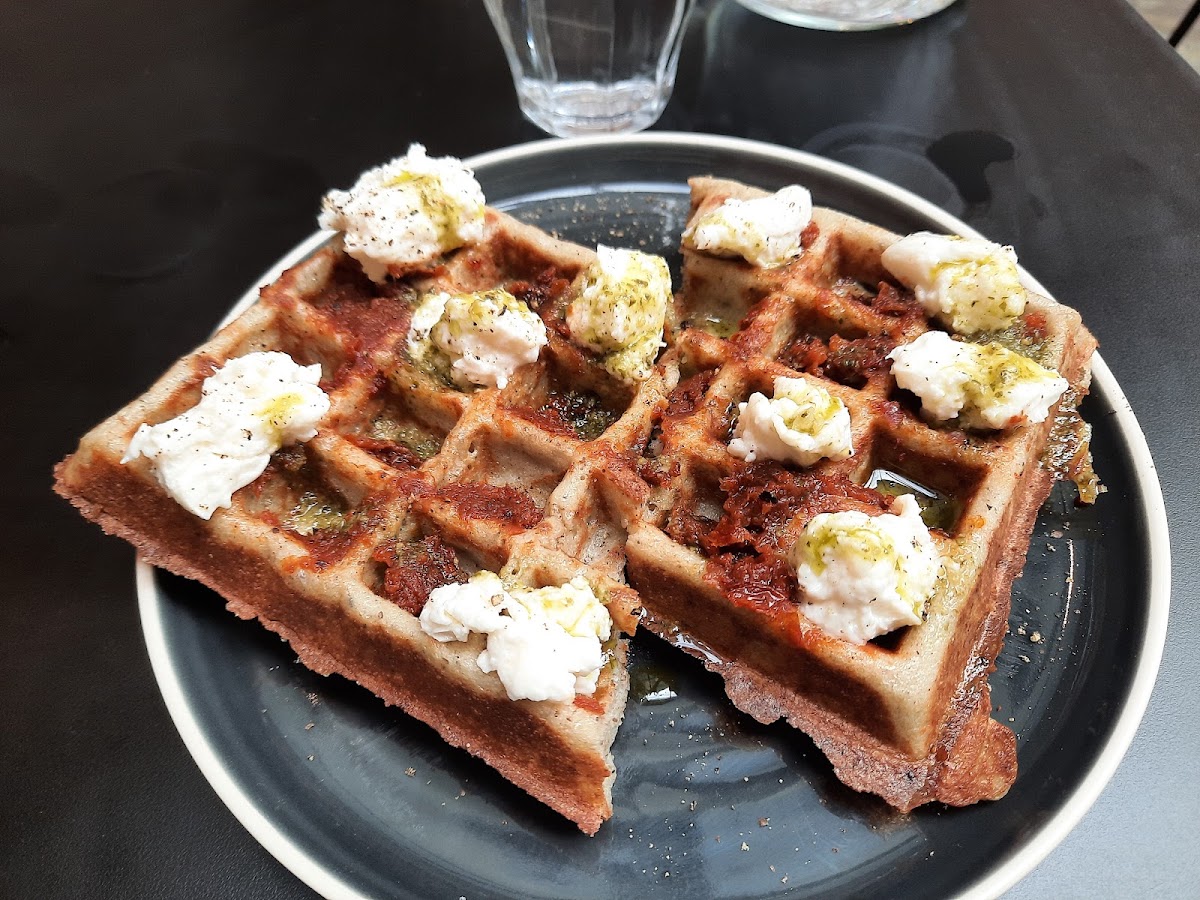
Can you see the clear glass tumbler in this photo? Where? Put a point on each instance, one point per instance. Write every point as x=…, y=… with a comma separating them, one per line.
x=591, y=66
x=846, y=15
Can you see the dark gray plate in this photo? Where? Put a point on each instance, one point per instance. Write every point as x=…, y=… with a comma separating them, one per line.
x=358, y=799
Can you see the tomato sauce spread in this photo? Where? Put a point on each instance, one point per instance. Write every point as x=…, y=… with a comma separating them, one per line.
x=543, y=291
x=849, y=361
x=745, y=557
x=764, y=583
x=806, y=353
x=510, y=508
x=358, y=307
x=688, y=394
x=764, y=497
x=656, y=472
x=389, y=453
x=895, y=303
x=855, y=362
x=589, y=704
x=688, y=527
x=582, y=415
x=292, y=496
x=327, y=546
x=1036, y=325
x=414, y=568
x=546, y=419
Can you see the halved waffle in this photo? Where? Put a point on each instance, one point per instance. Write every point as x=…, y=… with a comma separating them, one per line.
x=906, y=716
x=569, y=471
x=402, y=468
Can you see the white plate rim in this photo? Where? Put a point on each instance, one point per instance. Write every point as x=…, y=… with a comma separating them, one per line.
x=1048, y=836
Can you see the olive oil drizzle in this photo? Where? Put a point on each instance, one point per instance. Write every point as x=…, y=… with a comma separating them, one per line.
x=938, y=510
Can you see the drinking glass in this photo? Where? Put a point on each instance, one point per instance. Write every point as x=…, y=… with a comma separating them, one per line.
x=846, y=15
x=591, y=66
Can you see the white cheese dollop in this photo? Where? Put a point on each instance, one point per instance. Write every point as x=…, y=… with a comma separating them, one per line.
x=453, y=611
x=802, y=423
x=475, y=339
x=862, y=576
x=968, y=283
x=764, y=231
x=248, y=409
x=406, y=212
x=986, y=386
x=543, y=643
x=621, y=309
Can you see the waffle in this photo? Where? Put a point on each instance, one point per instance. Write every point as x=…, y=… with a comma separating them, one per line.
x=906, y=716
x=411, y=482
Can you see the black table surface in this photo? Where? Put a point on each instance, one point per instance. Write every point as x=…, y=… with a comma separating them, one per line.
x=157, y=157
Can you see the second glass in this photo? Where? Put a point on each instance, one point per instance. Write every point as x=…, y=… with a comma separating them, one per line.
x=591, y=66
x=846, y=15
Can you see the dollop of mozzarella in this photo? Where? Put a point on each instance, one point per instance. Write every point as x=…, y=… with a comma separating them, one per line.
x=764, y=231
x=537, y=660
x=475, y=339
x=406, y=212
x=453, y=611
x=248, y=409
x=801, y=423
x=572, y=606
x=986, y=386
x=862, y=576
x=543, y=643
x=621, y=309
x=969, y=284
